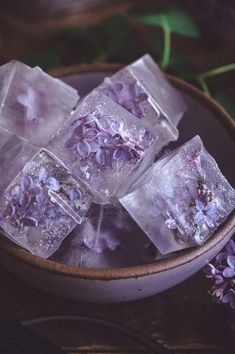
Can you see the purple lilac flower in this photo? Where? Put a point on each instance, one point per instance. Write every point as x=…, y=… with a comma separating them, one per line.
x=29, y=202
x=129, y=96
x=97, y=138
x=205, y=213
x=134, y=99
x=222, y=275
x=112, y=89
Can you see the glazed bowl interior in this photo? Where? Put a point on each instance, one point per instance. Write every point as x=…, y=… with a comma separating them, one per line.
x=205, y=118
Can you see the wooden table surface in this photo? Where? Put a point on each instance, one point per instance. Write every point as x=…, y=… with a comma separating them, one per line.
x=184, y=319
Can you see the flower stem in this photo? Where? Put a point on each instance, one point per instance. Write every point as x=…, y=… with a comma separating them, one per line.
x=167, y=44
x=204, y=86
x=97, y=235
x=217, y=71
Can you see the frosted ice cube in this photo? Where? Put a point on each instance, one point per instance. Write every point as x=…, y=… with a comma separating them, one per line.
x=43, y=205
x=142, y=89
x=104, y=145
x=108, y=238
x=32, y=103
x=182, y=199
x=14, y=153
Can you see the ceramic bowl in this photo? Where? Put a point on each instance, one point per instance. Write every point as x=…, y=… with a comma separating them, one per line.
x=206, y=118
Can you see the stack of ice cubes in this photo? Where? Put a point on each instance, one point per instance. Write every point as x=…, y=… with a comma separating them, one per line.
x=83, y=185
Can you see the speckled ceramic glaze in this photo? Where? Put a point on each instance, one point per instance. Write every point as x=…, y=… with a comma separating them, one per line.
x=217, y=130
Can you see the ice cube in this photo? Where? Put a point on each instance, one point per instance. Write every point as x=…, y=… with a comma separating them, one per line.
x=32, y=103
x=104, y=145
x=14, y=153
x=108, y=238
x=43, y=205
x=142, y=89
x=182, y=199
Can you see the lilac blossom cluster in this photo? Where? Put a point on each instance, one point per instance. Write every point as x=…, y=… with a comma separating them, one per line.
x=98, y=139
x=129, y=96
x=222, y=274
x=29, y=202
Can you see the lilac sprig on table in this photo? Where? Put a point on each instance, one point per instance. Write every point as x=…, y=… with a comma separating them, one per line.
x=222, y=274
x=129, y=96
x=97, y=138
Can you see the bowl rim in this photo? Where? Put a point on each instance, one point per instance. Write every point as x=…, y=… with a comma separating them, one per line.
x=159, y=266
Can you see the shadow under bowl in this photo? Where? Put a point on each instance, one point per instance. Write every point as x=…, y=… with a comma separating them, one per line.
x=206, y=118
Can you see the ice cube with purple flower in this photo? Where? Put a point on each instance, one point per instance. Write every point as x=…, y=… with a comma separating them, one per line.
x=182, y=199
x=109, y=238
x=43, y=205
x=32, y=103
x=104, y=146
x=142, y=89
x=14, y=153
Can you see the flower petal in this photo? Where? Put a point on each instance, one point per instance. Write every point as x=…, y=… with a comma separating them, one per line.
x=53, y=184
x=103, y=123
x=199, y=218
x=230, y=247
x=26, y=182
x=90, y=134
x=118, y=86
x=75, y=194
x=137, y=110
x=231, y=261
x=102, y=157
x=42, y=174
x=94, y=145
x=142, y=97
x=83, y=148
x=122, y=154
x=227, y=298
x=199, y=205
x=229, y=272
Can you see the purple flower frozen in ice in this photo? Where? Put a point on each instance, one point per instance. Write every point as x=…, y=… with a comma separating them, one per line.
x=76, y=198
x=205, y=213
x=129, y=96
x=134, y=99
x=222, y=275
x=229, y=298
x=229, y=272
x=97, y=138
x=29, y=101
x=112, y=89
x=25, y=191
x=45, y=180
x=29, y=203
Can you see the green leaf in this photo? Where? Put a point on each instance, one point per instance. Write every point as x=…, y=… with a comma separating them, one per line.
x=227, y=103
x=178, y=21
x=46, y=59
x=116, y=31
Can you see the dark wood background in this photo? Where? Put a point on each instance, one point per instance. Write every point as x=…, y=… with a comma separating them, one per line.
x=184, y=319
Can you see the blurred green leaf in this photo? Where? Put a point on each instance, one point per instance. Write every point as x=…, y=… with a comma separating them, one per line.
x=46, y=59
x=66, y=33
x=178, y=21
x=116, y=31
x=227, y=103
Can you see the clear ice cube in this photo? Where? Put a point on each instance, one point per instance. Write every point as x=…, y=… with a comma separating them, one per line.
x=43, y=205
x=108, y=238
x=14, y=153
x=32, y=103
x=142, y=89
x=104, y=146
x=182, y=199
